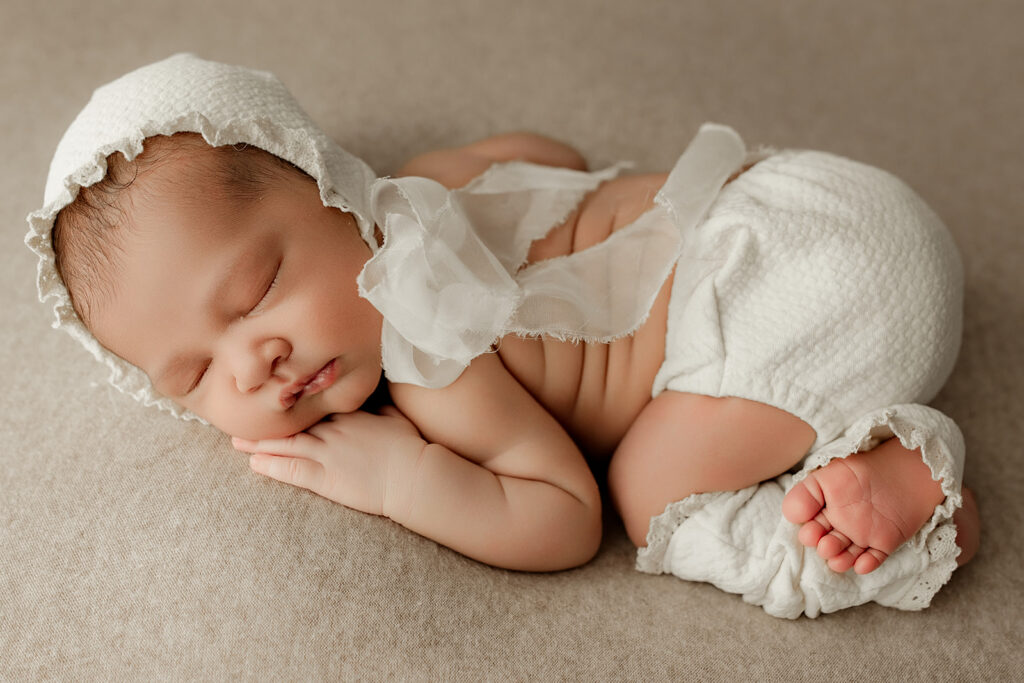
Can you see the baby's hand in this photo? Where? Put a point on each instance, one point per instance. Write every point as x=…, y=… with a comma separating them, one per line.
x=360, y=460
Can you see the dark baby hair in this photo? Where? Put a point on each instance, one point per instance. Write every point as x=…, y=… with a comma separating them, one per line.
x=88, y=234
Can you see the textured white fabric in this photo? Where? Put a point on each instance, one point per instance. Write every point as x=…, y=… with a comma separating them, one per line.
x=829, y=289
x=818, y=285
x=448, y=277
x=740, y=542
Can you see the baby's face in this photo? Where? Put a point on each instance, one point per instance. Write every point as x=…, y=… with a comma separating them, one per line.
x=244, y=312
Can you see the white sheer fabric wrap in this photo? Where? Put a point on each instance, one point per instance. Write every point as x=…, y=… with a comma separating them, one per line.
x=450, y=277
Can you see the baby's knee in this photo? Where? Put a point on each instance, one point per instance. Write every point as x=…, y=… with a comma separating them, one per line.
x=632, y=497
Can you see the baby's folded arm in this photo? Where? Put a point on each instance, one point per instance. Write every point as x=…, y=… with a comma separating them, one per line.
x=454, y=167
x=500, y=480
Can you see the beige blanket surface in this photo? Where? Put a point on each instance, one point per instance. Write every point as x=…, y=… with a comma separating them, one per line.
x=133, y=546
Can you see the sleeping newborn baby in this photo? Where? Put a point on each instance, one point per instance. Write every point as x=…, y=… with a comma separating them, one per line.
x=744, y=343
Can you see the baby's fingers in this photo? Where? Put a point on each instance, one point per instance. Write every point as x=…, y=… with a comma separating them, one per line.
x=307, y=474
x=301, y=444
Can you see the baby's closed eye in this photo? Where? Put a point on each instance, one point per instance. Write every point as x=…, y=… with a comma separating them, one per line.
x=275, y=276
x=198, y=378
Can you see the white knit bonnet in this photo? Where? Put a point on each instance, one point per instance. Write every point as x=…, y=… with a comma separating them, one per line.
x=226, y=105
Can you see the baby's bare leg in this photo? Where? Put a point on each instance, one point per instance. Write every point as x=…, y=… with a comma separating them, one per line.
x=682, y=444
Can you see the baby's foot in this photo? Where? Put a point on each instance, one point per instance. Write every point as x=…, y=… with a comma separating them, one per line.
x=857, y=510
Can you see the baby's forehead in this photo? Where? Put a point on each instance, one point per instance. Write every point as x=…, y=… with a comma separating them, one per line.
x=189, y=168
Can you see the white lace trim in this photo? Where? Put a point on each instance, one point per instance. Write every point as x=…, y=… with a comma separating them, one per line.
x=942, y=448
x=942, y=557
x=651, y=558
x=916, y=426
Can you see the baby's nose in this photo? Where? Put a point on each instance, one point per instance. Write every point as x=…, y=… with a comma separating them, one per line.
x=260, y=364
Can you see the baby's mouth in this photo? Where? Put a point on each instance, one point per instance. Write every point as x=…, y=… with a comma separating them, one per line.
x=312, y=384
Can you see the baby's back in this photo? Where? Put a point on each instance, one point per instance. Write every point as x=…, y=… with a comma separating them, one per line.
x=594, y=390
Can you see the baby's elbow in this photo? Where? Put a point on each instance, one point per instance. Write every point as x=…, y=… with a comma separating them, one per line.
x=572, y=543
x=589, y=527
x=590, y=542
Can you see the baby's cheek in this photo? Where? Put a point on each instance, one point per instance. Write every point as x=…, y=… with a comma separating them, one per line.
x=252, y=423
x=275, y=426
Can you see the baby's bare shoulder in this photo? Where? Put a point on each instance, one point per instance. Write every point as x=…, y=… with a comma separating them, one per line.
x=456, y=166
x=451, y=167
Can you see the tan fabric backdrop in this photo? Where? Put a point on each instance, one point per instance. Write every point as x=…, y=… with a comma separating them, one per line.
x=136, y=547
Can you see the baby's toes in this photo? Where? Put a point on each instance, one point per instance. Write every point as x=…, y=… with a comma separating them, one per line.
x=845, y=559
x=813, y=531
x=833, y=544
x=870, y=560
x=803, y=501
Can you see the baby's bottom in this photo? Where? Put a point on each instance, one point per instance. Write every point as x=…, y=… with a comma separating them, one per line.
x=740, y=541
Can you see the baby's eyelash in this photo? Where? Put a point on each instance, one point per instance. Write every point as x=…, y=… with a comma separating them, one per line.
x=199, y=378
x=270, y=288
